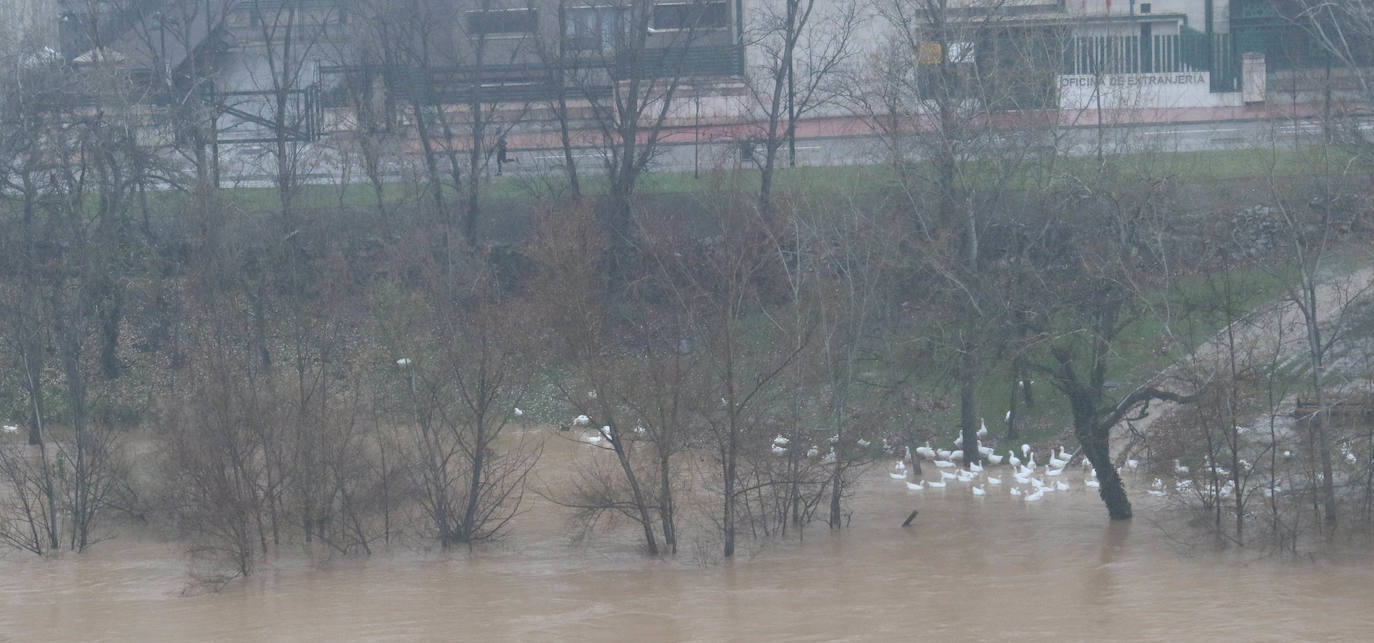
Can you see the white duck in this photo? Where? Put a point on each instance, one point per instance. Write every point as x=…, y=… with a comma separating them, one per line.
x=936, y=484
x=1039, y=493
x=919, y=485
x=979, y=491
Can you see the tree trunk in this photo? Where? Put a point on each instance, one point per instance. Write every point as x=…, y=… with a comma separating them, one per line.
x=665, y=501
x=968, y=405
x=1096, y=448
x=636, y=493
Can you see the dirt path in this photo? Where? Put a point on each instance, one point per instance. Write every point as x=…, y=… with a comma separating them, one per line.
x=1269, y=335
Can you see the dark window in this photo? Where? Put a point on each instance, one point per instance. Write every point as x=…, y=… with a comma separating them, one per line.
x=593, y=27
x=692, y=15
x=514, y=21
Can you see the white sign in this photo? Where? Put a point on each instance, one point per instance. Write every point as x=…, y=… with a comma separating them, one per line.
x=1126, y=91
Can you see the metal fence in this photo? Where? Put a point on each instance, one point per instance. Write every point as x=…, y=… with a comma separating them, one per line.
x=1187, y=52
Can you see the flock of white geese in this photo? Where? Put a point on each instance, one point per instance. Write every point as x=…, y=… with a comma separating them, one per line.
x=1025, y=479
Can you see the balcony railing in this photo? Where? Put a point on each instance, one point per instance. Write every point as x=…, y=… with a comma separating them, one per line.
x=711, y=60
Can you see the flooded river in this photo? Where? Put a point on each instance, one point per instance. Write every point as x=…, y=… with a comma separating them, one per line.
x=971, y=568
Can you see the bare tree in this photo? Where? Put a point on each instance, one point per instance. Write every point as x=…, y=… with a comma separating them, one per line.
x=962, y=125
x=627, y=60
x=1096, y=252
x=795, y=42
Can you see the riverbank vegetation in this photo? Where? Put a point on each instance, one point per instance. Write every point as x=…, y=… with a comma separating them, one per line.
x=350, y=372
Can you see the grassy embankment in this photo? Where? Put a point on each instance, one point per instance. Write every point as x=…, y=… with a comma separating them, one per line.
x=1189, y=166
x=1136, y=354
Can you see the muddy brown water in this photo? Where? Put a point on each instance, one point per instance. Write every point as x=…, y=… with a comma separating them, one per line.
x=972, y=568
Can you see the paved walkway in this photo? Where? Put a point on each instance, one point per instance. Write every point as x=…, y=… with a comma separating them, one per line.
x=855, y=126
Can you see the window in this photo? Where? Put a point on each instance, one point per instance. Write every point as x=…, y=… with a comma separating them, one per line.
x=701, y=14
x=593, y=28
x=511, y=21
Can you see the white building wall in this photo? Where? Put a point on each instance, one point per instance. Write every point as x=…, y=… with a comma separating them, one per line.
x=27, y=25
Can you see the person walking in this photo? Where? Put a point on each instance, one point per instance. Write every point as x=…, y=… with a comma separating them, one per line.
x=501, y=158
